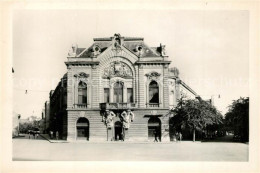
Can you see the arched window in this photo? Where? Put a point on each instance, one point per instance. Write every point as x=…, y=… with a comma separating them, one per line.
x=118, y=92
x=154, y=92
x=82, y=93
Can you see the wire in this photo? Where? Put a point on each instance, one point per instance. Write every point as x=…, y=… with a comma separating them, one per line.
x=26, y=91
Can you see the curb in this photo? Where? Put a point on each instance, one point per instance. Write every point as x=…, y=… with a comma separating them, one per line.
x=53, y=141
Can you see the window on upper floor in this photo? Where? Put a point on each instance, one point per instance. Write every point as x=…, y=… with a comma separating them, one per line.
x=82, y=93
x=130, y=95
x=118, y=92
x=153, y=92
x=106, y=95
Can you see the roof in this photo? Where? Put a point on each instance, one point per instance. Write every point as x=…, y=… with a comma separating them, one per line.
x=130, y=43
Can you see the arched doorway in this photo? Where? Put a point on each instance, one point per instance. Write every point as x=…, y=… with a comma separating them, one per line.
x=118, y=92
x=83, y=128
x=118, y=130
x=154, y=124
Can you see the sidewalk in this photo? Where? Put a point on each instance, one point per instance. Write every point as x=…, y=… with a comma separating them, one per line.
x=46, y=136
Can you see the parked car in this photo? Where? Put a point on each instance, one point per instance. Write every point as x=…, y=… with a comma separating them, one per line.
x=34, y=131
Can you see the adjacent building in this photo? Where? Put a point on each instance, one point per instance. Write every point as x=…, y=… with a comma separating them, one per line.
x=16, y=122
x=118, y=88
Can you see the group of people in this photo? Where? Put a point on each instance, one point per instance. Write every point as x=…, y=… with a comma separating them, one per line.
x=56, y=135
x=177, y=137
x=33, y=134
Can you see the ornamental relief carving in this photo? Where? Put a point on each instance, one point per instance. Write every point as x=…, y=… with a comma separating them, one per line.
x=153, y=76
x=118, y=69
x=82, y=77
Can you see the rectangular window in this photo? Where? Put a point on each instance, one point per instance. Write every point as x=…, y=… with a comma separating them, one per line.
x=82, y=93
x=130, y=98
x=106, y=95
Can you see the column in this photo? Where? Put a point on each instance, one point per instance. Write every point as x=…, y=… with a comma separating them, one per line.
x=110, y=134
x=147, y=93
x=126, y=137
x=111, y=94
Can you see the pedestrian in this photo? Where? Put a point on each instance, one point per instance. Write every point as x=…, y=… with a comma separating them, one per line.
x=29, y=132
x=51, y=134
x=155, y=135
x=123, y=134
x=57, y=135
x=180, y=136
x=177, y=136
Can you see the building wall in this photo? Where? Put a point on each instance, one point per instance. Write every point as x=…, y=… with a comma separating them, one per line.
x=47, y=115
x=15, y=130
x=138, y=130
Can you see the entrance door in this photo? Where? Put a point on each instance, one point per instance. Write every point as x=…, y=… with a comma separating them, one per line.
x=118, y=131
x=82, y=129
x=118, y=92
x=154, y=124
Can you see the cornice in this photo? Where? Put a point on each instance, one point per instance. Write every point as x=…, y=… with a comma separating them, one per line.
x=82, y=63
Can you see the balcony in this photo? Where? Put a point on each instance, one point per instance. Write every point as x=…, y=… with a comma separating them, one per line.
x=153, y=105
x=104, y=106
x=80, y=106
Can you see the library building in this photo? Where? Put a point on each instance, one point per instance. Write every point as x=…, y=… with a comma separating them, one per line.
x=118, y=89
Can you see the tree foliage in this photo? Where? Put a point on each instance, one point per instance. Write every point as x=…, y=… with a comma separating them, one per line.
x=196, y=114
x=237, y=118
x=30, y=125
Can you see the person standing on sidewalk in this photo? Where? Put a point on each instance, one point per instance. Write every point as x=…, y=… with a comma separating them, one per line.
x=177, y=136
x=155, y=135
x=29, y=132
x=51, y=134
x=57, y=135
x=180, y=136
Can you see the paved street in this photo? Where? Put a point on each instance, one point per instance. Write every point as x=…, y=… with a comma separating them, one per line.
x=40, y=149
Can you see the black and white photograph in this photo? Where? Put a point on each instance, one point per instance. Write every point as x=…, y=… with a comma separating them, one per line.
x=107, y=85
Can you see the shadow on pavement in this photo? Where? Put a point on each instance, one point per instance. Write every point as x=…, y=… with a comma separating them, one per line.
x=227, y=139
x=26, y=136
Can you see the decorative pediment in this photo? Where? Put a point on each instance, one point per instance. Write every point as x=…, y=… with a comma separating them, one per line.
x=118, y=69
x=153, y=75
x=81, y=75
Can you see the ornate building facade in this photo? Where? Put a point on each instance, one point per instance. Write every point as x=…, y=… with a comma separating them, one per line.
x=117, y=89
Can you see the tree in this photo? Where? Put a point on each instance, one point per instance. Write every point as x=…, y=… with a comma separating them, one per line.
x=237, y=118
x=196, y=115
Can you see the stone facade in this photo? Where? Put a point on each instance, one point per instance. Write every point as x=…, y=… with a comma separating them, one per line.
x=118, y=79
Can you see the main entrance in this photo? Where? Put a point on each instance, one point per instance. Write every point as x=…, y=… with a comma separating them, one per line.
x=118, y=130
x=154, y=126
x=82, y=129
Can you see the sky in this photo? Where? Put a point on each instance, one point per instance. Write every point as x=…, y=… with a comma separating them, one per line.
x=210, y=48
